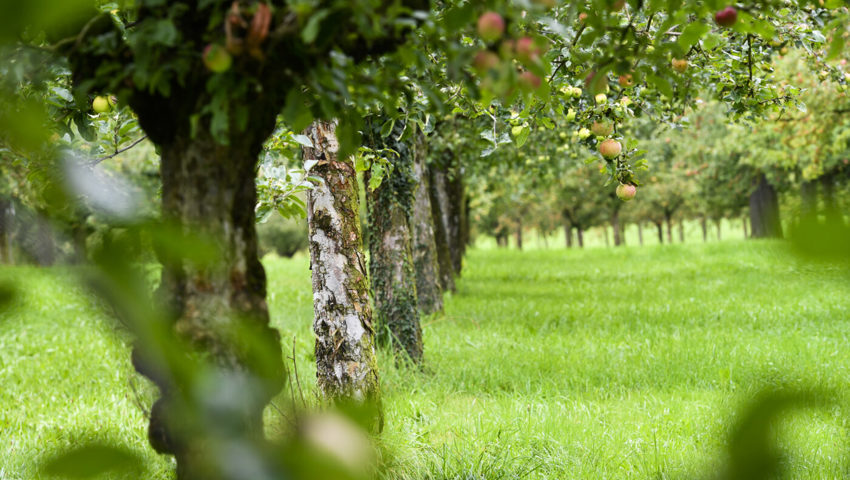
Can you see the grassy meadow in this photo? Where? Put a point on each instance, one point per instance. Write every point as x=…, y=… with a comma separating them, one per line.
x=547, y=364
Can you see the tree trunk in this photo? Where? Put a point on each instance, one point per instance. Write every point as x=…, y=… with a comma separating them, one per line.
x=580, y=236
x=346, y=366
x=568, y=234
x=390, y=257
x=615, y=225
x=456, y=217
x=808, y=199
x=764, y=211
x=668, y=218
x=217, y=310
x=640, y=233
x=717, y=223
x=703, y=223
x=519, y=234
x=428, y=291
x=660, y=228
x=466, y=235
x=830, y=206
x=5, y=229
x=682, y=230
x=437, y=196
x=744, y=223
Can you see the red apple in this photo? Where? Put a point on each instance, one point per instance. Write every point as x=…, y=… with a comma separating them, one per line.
x=484, y=61
x=526, y=50
x=726, y=17
x=626, y=191
x=602, y=129
x=529, y=81
x=626, y=80
x=610, y=148
x=491, y=26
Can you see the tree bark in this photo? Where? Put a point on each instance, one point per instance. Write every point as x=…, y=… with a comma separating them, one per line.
x=831, y=211
x=808, y=199
x=390, y=249
x=640, y=233
x=216, y=310
x=703, y=223
x=519, y=234
x=580, y=236
x=428, y=291
x=456, y=202
x=668, y=218
x=660, y=228
x=717, y=223
x=346, y=365
x=764, y=211
x=5, y=232
x=615, y=225
x=682, y=230
x=744, y=223
x=436, y=193
x=568, y=234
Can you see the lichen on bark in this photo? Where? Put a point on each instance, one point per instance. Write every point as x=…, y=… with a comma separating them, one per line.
x=346, y=366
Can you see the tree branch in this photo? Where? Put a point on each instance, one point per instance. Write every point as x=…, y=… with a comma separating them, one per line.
x=117, y=152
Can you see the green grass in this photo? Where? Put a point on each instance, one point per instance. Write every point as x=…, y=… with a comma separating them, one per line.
x=602, y=363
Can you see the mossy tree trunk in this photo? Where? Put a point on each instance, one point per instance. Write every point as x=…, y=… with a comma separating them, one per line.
x=456, y=217
x=428, y=288
x=216, y=309
x=391, y=268
x=439, y=202
x=346, y=366
x=764, y=210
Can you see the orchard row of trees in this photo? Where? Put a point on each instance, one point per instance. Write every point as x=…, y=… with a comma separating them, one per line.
x=430, y=100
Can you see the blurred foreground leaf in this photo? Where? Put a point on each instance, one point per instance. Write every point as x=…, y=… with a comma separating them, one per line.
x=92, y=460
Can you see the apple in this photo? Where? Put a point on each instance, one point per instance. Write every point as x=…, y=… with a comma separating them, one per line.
x=516, y=130
x=526, y=50
x=583, y=133
x=626, y=80
x=529, y=81
x=626, y=191
x=100, y=104
x=601, y=98
x=491, y=26
x=602, y=129
x=726, y=17
x=484, y=61
x=571, y=115
x=216, y=58
x=610, y=148
x=680, y=65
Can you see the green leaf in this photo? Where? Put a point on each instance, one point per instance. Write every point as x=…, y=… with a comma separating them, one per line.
x=523, y=136
x=661, y=84
x=311, y=30
x=93, y=460
x=835, y=47
x=295, y=111
x=691, y=35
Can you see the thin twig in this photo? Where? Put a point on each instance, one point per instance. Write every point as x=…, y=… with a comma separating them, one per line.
x=118, y=152
x=297, y=380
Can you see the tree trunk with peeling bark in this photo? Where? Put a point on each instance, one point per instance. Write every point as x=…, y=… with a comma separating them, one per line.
x=391, y=268
x=346, y=365
x=439, y=201
x=428, y=291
